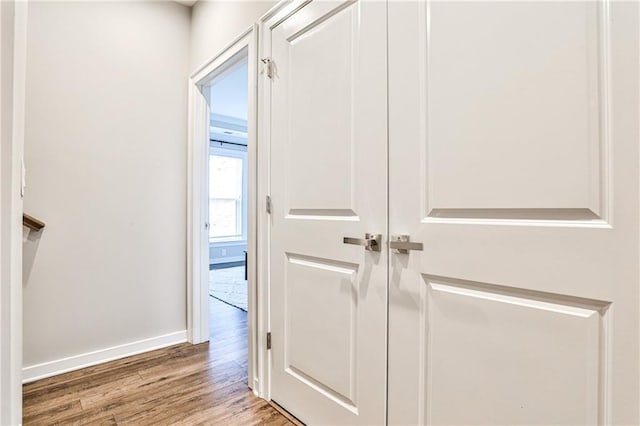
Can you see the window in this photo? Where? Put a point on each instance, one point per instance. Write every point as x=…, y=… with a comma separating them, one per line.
x=226, y=200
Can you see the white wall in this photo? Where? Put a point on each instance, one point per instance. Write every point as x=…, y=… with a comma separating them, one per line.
x=215, y=24
x=12, y=62
x=106, y=148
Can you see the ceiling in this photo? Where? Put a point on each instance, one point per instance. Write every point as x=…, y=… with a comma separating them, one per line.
x=186, y=2
x=229, y=95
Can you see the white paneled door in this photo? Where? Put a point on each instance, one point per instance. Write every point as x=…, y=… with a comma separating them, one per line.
x=498, y=142
x=514, y=161
x=329, y=181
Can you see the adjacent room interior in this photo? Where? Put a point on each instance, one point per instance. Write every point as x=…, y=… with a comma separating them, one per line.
x=228, y=208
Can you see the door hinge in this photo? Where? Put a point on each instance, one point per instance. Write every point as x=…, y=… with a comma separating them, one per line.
x=268, y=204
x=270, y=66
x=269, y=340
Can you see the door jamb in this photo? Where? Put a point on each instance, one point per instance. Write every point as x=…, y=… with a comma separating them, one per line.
x=11, y=192
x=197, y=200
x=266, y=23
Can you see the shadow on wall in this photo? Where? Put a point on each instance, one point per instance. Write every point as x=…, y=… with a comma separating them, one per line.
x=30, y=243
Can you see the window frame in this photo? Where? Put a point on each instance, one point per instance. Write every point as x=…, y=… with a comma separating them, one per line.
x=222, y=149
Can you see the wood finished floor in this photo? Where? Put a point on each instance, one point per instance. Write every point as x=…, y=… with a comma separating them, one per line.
x=183, y=384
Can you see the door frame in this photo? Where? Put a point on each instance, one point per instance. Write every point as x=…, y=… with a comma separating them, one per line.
x=14, y=39
x=197, y=200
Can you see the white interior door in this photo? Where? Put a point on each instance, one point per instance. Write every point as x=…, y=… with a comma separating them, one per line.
x=328, y=135
x=514, y=161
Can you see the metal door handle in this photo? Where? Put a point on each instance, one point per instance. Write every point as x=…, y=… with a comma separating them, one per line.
x=371, y=242
x=401, y=244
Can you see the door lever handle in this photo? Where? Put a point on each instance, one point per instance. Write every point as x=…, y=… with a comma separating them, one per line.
x=371, y=242
x=401, y=244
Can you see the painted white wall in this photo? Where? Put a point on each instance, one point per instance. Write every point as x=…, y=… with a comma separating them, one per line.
x=12, y=63
x=216, y=23
x=106, y=147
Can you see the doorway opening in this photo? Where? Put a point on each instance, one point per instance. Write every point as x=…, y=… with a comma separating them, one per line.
x=225, y=305
x=227, y=182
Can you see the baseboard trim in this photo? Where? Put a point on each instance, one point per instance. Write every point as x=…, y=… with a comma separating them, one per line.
x=76, y=362
x=227, y=262
x=225, y=265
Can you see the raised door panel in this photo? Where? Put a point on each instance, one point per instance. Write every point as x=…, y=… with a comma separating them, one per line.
x=320, y=343
x=514, y=115
x=510, y=357
x=320, y=169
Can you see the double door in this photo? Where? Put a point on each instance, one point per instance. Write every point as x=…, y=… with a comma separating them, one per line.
x=454, y=233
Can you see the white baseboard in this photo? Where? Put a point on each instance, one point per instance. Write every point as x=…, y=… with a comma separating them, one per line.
x=76, y=362
x=223, y=260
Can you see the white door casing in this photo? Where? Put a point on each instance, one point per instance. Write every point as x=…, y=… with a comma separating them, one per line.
x=328, y=181
x=13, y=60
x=514, y=160
x=244, y=46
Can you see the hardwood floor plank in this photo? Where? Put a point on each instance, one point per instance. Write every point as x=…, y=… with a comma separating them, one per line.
x=177, y=409
x=75, y=388
x=133, y=363
x=87, y=417
x=285, y=414
x=149, y=385
x=240, y=409
x=54, y=411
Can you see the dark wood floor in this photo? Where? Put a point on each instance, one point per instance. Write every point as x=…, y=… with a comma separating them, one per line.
x=183, y=384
